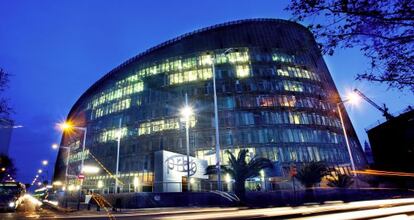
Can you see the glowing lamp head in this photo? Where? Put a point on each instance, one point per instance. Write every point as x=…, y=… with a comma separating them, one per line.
x=353, y=98
x=64, y=126
x=186, y=112
x=45, y=162
x=39, y=171
x=55, y=146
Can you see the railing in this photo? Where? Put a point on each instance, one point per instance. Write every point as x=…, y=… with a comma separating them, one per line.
x=199, y=186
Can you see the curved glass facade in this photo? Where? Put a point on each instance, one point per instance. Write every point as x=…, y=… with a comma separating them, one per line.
x=275, y=97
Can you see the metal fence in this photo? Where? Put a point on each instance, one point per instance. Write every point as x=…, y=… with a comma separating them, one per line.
x=199, y=186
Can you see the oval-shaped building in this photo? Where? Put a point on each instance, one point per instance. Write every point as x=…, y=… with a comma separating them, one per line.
x=275, y=97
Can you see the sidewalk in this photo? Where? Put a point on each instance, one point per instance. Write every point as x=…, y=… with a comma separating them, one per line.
x=139, y=212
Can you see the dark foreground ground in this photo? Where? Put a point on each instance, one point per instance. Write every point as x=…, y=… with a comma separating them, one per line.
x=375, y=209
x=329, y=205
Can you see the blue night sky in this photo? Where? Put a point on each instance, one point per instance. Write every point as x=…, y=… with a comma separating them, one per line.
x=55, y=50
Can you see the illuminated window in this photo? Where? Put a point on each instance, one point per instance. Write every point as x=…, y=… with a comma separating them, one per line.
x=282, y=57
x=242, y=71
x=238, y=57
x=296, y=118
x=190, y=76
x=293, y=86
x=282, y=72
x=162, y=125
x=297, y=72
x=111, y=135
x=112, y=108
x=205, y=60
x=113, y=94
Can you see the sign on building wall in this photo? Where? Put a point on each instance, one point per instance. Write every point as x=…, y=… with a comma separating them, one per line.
x=170, y=167
x=79, y=156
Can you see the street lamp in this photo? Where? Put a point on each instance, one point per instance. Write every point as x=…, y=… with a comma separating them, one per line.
x=119, y=135
x=353, y=99
x=39, y=171
x=45, y=163
x=216, y=125
x=186, y=113
x=67, y=126
x=55, y=146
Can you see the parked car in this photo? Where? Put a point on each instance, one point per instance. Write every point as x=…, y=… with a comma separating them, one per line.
x=11, y=194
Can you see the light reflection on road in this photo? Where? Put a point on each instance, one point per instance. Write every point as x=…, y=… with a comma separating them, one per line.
x=406, y=205
x=388, y=209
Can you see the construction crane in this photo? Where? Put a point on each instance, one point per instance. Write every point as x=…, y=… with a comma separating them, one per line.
x=383, y=109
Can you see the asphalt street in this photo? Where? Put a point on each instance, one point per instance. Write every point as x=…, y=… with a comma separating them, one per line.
x=374, y=209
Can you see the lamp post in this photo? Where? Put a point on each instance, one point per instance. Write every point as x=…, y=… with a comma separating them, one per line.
x=55, y=146
x=353, y=98
x=68, y=126
x=346, y=136
x=216, y=125
x=186, y=113
x=45, y=163
x=119, y=133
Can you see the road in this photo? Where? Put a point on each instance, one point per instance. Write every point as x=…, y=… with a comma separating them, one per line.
x=375, y=209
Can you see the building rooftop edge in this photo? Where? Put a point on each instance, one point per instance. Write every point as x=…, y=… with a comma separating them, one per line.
x=172, y=41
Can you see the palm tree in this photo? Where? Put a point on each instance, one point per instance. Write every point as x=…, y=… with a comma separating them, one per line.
x=6, y=167
x=340, y=180
x=311, y=174
x=240, y=169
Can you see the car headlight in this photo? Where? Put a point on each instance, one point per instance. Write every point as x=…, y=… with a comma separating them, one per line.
x=12, y=204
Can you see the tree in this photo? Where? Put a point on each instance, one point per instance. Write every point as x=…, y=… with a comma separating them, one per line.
x=241, y=169
x=382, y=29
x=6, y=167
x=4, y=107
x=340, y=180
x=311, y=174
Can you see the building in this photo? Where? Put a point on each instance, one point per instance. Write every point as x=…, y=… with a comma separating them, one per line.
x=6, y=128
x=392, y=143
x=368, y=153
x=275, y=97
